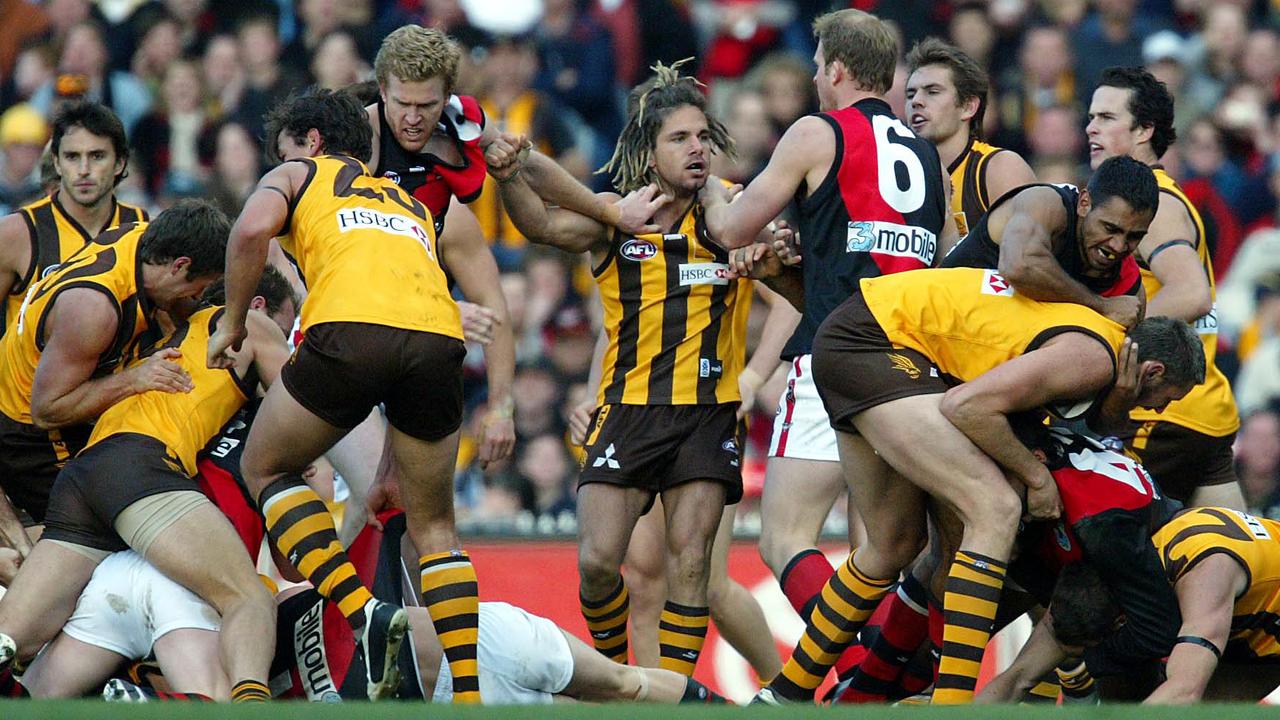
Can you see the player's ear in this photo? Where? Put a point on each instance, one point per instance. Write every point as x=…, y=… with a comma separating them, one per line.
x=1151, y=370
x=258, y=303
x=315, y=142
x=970, y=108
x=1084, y=204
x=180, y=266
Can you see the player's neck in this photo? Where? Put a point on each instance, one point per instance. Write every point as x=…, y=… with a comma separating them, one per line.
x=672, y=212
x=1145, y=155
x=846, y=95
x=93, y=218
x=953, y=147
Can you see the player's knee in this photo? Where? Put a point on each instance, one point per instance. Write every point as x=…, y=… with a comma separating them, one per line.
x=235, y=593
x=597, y=572
x=996, y=513
x=692, y=563
x=893, y=547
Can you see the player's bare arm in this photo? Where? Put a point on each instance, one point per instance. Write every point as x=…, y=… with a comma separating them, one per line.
x=270, y=349
x=15, y=252
x=1206, y=596
x=262, y=218
x=80, y=326
x=465, y=252
x=803, y=156
x=1024, y=228
x=1040, y=655
x=779, y=324
x=1070, y=366
x=1006, y=171
x=1169, y=250
x=564, y=229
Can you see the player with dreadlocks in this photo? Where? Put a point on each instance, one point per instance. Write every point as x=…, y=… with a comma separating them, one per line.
x=675, y=323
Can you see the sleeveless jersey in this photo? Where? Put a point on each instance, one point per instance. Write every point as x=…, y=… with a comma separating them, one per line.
x=1209, y=408
x=675, y=323
x=978, y=250
x=109, y=265
x=56, y=236
x=1091, y=481
x=1252, y=542
x=367, y=251
x=424, y=175
x=879, y=210
x=968, y=321
x=969, y=199
x=184, y=422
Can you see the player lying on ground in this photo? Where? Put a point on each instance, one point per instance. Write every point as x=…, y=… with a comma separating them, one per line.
x=1225, y=570
x=130, y=610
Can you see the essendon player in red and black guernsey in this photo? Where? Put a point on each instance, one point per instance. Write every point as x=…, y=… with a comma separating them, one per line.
x=872, y=201
x=431, y=141
x=1059, y=244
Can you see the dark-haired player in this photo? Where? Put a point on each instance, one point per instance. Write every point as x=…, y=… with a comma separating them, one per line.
x=1187, y=447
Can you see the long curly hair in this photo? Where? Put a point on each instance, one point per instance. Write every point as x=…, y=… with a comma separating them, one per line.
x=648, y=106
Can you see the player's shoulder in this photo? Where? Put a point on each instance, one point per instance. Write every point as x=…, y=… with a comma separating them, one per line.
x=464, y=117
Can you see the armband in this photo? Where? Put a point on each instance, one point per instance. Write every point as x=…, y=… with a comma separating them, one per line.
x=1197, y=640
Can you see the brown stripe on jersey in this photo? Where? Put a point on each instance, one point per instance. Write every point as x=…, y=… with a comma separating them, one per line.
x=711, y=341
x=33, y=236
x=48, y=237
x=970, y=194
x=675, y=318
x=630, y=288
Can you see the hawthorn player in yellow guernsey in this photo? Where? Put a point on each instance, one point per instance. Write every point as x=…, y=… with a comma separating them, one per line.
x=90, y=153
x=946, y=101
x=919, y=372
x=675, y=319
x=1225, y=569
x=133, y=486
x=1187, y=447
x=380, y=327
x=72, y=330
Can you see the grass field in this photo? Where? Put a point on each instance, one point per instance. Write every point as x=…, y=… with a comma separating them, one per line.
x=93, y=710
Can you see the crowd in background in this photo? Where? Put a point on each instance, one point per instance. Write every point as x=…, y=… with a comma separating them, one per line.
x=191, y=80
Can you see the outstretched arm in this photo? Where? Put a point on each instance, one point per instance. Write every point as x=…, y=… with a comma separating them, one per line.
x=1169, y=250
x=262, y=218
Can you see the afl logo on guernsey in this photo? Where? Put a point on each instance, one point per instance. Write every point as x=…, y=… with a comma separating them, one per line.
x=636, y=249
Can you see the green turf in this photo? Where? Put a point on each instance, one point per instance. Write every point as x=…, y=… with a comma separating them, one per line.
x=92, y=710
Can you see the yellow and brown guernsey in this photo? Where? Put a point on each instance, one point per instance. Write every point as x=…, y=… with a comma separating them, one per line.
x=674, y=320
x=367, y=251
x=969, y=199
x=1252, y=542
x=55, y=237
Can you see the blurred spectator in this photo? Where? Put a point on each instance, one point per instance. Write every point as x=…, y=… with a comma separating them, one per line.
x=159, y=44
x=1056, y=135
x=1258, y=383
x=23, y=21
x=36, y=65
x=318, y=18
x=972, y=32
x=512, y=105
x=223, y=74
x=336, y=63
x=741, y=31
x=1260, y=62
x=1110, y=35
x=747, y=121
x=786, y=84
x=23, y=133
x=545, y=464
x=1167, y=58
x=267, y=81
x=1218, y=48
x=84, y=61
x=1258, y=461
x=444, y=15
x=166, y=141
x=237, y=166
x=1204, y=154
x=575, y=56
x=646, y=32
x=1044, y=78
x=537, y=393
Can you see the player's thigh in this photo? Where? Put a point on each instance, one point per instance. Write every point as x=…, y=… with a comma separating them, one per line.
x=43, y=594
x=358, y=454
x=914, y=438
x=201, y=551
x=285, y=437
x=693, y=513
x=798, y=495
x=189, y=659
x=70, y=668
x=892, y=508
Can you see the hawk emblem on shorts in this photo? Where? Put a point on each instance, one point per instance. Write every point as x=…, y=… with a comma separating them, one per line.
x=904, y=363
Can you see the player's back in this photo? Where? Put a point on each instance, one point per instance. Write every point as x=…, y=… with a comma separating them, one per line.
x=879, y=210
x=367, y=252
x=184, y=422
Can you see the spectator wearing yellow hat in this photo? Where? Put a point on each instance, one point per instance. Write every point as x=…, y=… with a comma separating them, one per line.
x=23, y=134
